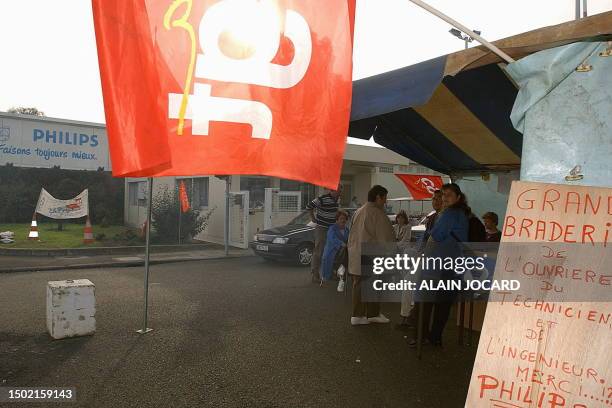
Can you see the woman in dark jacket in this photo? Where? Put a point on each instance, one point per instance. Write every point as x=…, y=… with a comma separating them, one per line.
x=443, y=242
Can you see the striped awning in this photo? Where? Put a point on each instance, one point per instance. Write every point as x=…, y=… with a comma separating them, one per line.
x=452, y=113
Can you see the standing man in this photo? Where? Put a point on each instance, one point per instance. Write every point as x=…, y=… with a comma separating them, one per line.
x=370, y=225
x=323, y=211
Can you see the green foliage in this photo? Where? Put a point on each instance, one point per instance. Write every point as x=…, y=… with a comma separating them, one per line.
x=20, y=188
x=165, y=219
x=70, y=237
x=22, y=110
x=127, y=237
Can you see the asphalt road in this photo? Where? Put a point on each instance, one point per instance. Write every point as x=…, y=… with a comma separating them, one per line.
x=227, y=333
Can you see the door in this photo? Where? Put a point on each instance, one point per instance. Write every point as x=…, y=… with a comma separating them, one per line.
x=239, y=219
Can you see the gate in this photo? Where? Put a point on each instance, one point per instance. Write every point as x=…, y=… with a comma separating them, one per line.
x=280, y=207
x=239, y=219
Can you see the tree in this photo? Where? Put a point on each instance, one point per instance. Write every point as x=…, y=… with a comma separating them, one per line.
x=22, y=110
x=165, y=217
x=20, y=188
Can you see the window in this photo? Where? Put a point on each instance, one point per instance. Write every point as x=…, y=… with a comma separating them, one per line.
x=255, y=186
x=137, y=192
x=200, y=192
x=404, y=169
x=308, y=191
x=197, y=191
x=347, y=193
x=385, y=169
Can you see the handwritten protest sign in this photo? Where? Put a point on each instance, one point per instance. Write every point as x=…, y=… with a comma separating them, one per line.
x=549, y=344
x=52, y=207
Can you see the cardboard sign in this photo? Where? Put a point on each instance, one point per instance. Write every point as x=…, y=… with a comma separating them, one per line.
x=549, y=344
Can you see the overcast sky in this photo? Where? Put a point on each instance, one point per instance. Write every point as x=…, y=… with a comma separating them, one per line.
x=48, y=54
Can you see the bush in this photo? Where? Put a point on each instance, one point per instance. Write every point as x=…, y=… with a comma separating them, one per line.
x=20, y=188
x=165, y=219
x=128, y=236
x=100, y=237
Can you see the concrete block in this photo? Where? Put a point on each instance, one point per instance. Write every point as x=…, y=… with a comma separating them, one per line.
x=71, y=308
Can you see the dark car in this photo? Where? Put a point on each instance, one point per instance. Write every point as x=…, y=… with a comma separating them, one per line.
x=292, y=242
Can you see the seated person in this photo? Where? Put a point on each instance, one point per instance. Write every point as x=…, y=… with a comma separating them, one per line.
x=337, y=237
x=402, y=229
x=491, y=220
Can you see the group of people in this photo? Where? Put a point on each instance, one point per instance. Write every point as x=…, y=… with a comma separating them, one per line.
x=338, y=246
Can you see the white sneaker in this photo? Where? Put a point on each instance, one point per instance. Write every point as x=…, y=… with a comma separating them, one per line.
x=356, y=321
x=341, y=286
x=379, y=319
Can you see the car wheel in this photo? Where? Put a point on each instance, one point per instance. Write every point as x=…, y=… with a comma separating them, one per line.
x=304, y=254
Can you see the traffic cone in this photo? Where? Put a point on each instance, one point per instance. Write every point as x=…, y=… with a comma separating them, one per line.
x=88, y=237
x=33, y=235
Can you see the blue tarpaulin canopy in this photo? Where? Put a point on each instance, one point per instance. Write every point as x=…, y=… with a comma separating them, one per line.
x=452, y=113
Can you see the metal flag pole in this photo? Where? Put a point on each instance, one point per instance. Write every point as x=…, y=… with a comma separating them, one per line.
x=145, y=329
x=466, y=30
x=180, y=212
x=226, y=224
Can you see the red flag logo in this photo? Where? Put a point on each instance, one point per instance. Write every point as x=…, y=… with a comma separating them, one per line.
x=421, y=187
x=183, y=197
x=226, y=87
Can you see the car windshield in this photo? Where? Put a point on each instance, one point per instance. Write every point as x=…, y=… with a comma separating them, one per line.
x=302, y=219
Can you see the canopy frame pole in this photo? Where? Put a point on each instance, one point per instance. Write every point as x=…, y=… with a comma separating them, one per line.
x=577, y=9
x=145, y=329
x=466, y=30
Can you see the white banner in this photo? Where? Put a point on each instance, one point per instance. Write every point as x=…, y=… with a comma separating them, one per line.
x=51, y=207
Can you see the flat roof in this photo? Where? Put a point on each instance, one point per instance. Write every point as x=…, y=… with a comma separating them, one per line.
x=19, y=116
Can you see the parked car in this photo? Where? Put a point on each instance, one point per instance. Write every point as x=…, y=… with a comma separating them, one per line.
x=292, y=242
x=417, y=231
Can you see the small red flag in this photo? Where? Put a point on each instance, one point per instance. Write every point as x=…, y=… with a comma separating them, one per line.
x=421, y=187
x=183, y=197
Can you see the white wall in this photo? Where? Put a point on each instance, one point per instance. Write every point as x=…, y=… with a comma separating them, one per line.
x=361, y=167
x=215, y=230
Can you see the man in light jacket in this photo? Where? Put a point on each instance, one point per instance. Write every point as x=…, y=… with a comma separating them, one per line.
x=370, y=224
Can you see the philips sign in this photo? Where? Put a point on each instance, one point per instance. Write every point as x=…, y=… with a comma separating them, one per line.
x=67, y=138
x=28, y=141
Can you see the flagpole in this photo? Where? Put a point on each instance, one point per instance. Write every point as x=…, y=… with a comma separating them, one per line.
x=226, y=220
x=463, y=28
x=145, y=329
x=180, y=212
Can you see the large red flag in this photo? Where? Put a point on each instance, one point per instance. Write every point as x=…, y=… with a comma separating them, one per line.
x=226, y=87
x=421, y=187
